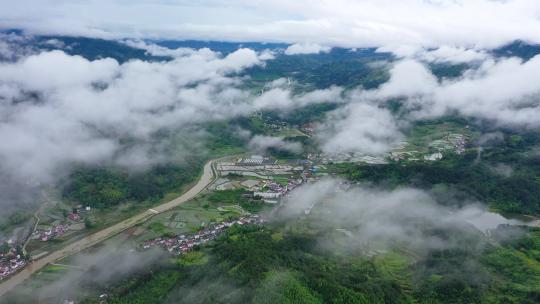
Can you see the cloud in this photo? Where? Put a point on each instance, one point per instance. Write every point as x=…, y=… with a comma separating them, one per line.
x=359, y=127
x=13, y=47
x=407, y=78
x=57, y=109
x=454, y=55
x=261, y=143
x=346, y=23
x=93, y=271
x=157, y=50
x=280, y=96
x=497, y=90
x=306, y=48
x=441, y=54
x=373, y=217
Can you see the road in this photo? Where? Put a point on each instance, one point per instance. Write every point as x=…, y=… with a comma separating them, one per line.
x=206, y=179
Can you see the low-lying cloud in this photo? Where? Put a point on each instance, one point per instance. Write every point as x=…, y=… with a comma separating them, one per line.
x=359, y=127
x=498, y=90
x=94, y=271
x=406, y=216
x=261, y=143
x=56, y=108
x=306, y=48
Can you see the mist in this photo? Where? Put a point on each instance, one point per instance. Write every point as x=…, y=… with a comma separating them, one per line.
x=373, y=218
x=91, y=273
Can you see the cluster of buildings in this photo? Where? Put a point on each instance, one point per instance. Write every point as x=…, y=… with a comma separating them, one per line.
x=10, y=262
x=274, y=191
x=48, y=234
x=457, y=142
x=74, y=217
x=308, y=128
x=183, y=243
x=275, y=125
x=346, y=157
x=257, y=166
x=450, y=142
x=255, y=160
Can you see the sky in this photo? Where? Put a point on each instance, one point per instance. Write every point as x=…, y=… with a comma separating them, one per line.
x=348, y=23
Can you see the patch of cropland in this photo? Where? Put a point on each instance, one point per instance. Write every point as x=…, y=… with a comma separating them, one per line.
x=503, y=173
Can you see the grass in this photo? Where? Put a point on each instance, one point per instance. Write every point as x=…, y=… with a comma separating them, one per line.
x=158, y=227
x=55, y=268
x=193, y=258
x=281, y=180
x=392, y=264
x=421, y=135
x=233, y=209
x=522, y=270
x=194, y=214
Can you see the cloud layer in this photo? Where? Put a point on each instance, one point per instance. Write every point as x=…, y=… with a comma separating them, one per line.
x=56, y=108
x=498, y=90
x=405, y=217
x=360, y=127
x=348, y=23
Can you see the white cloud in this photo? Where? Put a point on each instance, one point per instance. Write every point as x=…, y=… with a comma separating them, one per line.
x=156, y=50
x=13, y=47
x=261, y=143
x=306, y=48
x=56, y=109
x=347, y=23
x=373, y=217
x=454, y=55
x=359, y=127
x=501, y=91
x=279, y=96
x=442, y=54
x=410, y=78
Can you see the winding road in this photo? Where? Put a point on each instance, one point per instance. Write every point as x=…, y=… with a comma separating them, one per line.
x=205, y=180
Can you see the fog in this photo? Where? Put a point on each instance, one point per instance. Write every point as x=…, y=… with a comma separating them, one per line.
x=377, y=218
x=93, y=271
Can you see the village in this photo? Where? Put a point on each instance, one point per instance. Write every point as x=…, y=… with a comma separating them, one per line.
x=183, y=243
x=261, y=179
x=60, y=225
x=264, y=179
x=11, y=259
x=271, y=190
x=13, y=253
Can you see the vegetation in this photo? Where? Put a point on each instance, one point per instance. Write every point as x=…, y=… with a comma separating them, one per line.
x=151, y=289
x=17, y=217
x=236, y=196
x=105, y=187
x=93, y=49
x=341, y=67
x=250, y=265
x=472, y=173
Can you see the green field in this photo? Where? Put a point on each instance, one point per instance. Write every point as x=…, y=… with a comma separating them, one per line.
x=421, y=135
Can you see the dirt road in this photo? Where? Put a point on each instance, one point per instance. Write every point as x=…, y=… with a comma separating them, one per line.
x=11, y=282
